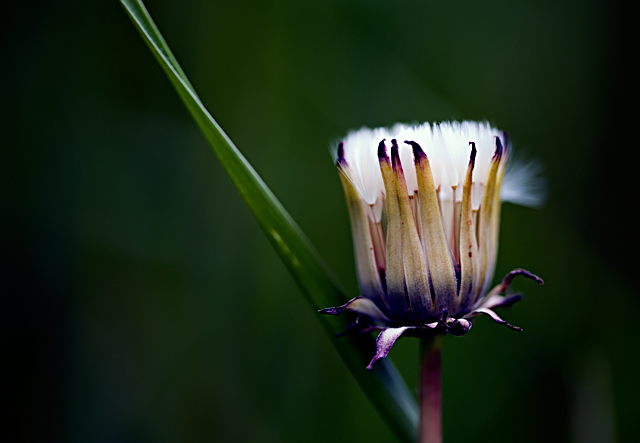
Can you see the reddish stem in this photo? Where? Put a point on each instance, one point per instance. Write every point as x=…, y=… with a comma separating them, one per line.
x=431, y=391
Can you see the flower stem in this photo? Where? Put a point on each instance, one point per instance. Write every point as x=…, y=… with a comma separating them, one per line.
x=430, y=391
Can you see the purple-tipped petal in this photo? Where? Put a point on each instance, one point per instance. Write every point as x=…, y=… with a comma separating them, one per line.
x=341, y=162
x=502, y=287
x=498, y=153
x=495, y=317
x=385, y=341
x=382, y=151
x=360, y=305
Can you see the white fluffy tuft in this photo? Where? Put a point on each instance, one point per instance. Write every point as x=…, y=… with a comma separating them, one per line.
x=447, y=147
x=361, y=157
x=524, y=183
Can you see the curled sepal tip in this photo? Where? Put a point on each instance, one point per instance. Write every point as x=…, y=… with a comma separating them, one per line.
x=506, y=282
x=495, y=317
x=385, y=342
x=500, y=301
x=359, y=305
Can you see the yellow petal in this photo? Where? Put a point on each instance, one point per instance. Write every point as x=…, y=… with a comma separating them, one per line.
x=487, y=238
x=435, y=242
x=398, y=301
x=415, y=267
x=368, y=272
x=468, y=241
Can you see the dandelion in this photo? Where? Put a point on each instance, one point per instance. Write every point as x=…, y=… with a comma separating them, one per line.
x=424, y=203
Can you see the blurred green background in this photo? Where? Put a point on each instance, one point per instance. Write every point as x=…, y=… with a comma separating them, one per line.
x=140, y=300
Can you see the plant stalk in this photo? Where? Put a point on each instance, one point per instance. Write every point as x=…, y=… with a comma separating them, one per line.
x=430, y=430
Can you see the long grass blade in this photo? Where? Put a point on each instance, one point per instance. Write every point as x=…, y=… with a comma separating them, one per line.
x=384, y=386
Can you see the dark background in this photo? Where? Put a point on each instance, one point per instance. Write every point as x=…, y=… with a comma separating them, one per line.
x=142, y=303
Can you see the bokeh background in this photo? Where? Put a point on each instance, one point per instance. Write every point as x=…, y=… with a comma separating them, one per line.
x=140, y=300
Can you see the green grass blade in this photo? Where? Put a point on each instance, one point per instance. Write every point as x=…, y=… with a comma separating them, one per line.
x=384, y=386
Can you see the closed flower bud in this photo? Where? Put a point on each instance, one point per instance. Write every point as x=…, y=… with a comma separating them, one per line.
x=424, y=203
